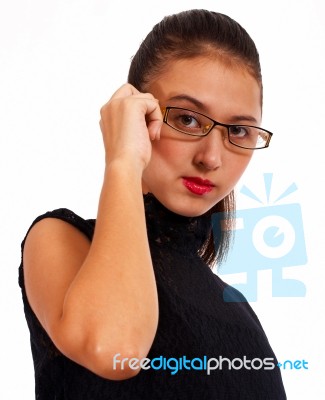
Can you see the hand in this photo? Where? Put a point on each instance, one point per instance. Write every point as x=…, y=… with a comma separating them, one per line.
x=128, y=122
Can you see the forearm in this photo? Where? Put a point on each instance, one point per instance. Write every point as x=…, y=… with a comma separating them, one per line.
x=111, y=306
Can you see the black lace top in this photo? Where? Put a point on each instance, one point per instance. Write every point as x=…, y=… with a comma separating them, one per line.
x=194, y=322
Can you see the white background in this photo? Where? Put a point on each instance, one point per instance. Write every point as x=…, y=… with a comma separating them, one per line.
x=61, y=60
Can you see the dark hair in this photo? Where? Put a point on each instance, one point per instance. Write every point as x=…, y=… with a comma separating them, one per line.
x=187, y=35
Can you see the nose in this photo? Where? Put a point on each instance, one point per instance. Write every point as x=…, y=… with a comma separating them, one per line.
x=210, y=149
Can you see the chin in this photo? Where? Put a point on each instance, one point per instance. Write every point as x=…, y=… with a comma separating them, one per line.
x=192, y=212
x=188, y=207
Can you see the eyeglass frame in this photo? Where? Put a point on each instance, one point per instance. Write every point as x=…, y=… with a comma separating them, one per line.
x=165, y=111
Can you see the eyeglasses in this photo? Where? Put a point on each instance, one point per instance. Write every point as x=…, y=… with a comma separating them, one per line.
x=196, y=124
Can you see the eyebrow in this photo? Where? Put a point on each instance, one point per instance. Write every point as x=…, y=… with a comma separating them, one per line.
x=201, y=106
x=191, y=99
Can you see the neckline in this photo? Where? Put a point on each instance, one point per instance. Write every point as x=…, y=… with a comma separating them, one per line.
x=174, y=231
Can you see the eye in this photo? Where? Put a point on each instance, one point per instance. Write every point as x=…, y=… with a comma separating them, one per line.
x=239, y=131
x=188, y=121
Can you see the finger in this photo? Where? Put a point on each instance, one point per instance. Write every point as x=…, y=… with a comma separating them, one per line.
x=154, y=128
x=154, y=121
x=101, y=125
x=126, y=90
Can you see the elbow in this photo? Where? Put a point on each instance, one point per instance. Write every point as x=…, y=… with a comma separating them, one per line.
x=119, y=365
x=104, y=358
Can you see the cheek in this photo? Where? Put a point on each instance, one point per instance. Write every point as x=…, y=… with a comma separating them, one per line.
x=238, y=165
x=162, y=165
x=168, y=153
x=169, y=160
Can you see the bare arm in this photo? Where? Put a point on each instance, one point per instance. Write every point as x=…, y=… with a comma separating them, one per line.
x=97, y=300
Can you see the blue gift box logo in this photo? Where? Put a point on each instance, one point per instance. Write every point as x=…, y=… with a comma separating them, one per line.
x=267, y=237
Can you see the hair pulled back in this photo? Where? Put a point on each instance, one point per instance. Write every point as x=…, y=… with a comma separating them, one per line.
x=190, y=34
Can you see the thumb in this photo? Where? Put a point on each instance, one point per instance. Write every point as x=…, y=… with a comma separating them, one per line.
x=154, y=128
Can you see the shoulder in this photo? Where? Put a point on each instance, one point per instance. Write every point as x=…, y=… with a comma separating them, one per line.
x=61, y=219
x=53, y=250
x=237, y=302
x=54, y=235
x=56, y=231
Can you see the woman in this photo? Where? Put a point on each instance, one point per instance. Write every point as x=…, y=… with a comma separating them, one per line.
x=130, y=309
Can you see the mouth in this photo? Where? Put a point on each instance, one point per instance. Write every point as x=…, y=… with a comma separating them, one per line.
x=197, y=185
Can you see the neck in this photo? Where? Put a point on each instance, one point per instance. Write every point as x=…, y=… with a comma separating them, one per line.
x=174, y=231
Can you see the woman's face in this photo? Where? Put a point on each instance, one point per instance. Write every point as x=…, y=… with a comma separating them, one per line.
x=187, y=174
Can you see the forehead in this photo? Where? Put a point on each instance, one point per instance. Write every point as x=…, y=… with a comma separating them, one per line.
x=215, y=83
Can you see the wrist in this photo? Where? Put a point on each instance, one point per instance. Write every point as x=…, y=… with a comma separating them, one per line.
x=124, y=169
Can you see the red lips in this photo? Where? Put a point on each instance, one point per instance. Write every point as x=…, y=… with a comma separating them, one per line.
x=198, y=185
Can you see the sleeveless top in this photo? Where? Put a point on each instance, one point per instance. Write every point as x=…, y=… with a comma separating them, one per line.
x=196, y=328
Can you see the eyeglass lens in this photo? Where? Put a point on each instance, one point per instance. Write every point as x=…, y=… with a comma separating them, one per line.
x=195, y=124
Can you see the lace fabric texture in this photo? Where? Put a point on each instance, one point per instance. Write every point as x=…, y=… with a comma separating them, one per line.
x=194, y=321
